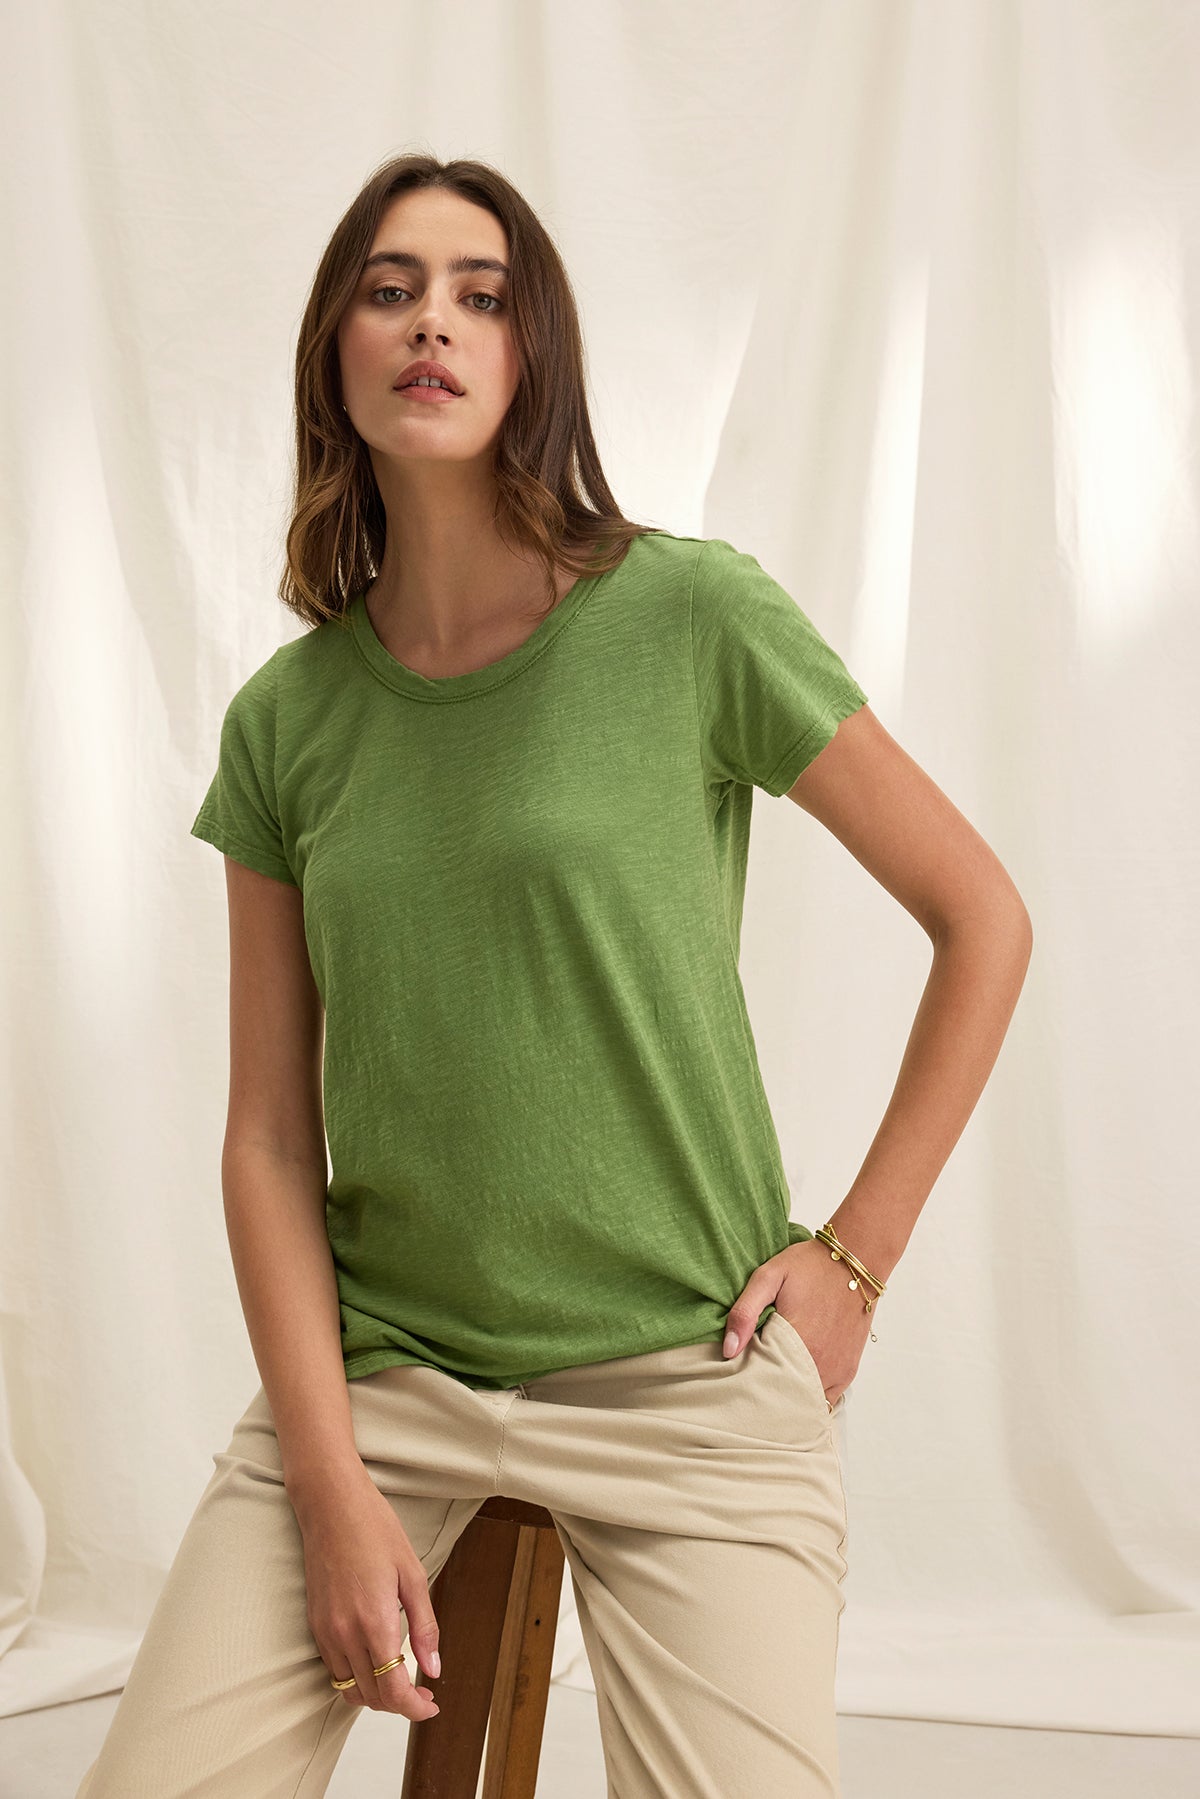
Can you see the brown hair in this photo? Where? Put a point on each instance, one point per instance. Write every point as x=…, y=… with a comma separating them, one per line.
x=552, y=495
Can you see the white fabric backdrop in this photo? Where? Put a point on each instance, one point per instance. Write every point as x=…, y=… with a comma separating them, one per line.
x=900, y=296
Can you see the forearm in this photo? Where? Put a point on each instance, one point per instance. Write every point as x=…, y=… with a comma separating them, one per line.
x=275, y=1217
x=971, y=992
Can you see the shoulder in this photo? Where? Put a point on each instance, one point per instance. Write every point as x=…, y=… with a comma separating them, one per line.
x=668, y=568
x=731, y=592
x=715, y=586
x=315, y=651
x=721, y=567
x=294, y=677
x=715, y=573
x=251, y=709
x=306, y=670
x=657, y=554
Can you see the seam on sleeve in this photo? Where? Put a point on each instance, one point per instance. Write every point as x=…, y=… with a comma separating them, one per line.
x=275, y=741
x=275, y=763
x=692, y=658
x=841, y=706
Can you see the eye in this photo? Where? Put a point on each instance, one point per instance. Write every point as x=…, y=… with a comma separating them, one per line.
x=497, y=304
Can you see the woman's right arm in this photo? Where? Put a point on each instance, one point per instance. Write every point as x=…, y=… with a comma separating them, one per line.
x=274, y=1179
x=274, y=1175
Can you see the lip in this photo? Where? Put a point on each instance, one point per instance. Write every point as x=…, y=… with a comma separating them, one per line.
x=436, y=370
x=431, y=396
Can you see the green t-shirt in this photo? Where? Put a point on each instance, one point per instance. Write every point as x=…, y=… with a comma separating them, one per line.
x=522, y=887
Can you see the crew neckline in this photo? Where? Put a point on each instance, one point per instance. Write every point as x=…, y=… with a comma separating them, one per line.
x=406, y=680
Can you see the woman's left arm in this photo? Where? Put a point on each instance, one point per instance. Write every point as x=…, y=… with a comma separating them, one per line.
x=904, y=830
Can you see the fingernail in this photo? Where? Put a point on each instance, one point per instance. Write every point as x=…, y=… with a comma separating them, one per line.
x=731, y=1342
x=435, y=1664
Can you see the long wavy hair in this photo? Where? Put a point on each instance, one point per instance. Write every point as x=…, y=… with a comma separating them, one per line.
x=552, y=498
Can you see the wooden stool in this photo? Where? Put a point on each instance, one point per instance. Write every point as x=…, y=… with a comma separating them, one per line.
x=496, y=1601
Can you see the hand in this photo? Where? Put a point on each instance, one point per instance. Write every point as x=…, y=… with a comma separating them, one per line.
x=360, y=1568
x=806, y=1285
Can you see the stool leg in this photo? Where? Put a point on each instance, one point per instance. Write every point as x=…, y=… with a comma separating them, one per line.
x=518, y=1714
x=470, y=1599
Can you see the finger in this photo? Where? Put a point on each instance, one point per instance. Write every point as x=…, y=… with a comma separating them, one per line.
x=400, y=1695
x=740, y=1321
x=422, y=1625
x=363, y=1666
x=394, y=1690
x=340, y=1669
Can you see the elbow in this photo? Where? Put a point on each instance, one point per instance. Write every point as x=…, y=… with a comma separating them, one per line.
x=1000, y=915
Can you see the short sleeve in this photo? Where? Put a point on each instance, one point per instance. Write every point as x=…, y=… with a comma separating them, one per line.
x=770, y=691
x=239, y=814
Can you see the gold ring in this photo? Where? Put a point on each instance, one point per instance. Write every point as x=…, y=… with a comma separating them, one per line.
x=388, y=1666
x=341, y=1685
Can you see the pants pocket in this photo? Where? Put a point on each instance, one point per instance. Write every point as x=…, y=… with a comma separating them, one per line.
x=802, y=1356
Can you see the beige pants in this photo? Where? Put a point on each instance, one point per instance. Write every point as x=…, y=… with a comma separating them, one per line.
x=702, y=1512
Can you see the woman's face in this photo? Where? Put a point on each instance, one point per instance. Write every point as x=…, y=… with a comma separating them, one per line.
x=420, y=308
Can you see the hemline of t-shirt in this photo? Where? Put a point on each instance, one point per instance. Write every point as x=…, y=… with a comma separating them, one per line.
x=370, y=1361
x=811, y=741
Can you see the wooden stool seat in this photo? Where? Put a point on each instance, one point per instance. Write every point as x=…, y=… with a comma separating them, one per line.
x=496, y=1601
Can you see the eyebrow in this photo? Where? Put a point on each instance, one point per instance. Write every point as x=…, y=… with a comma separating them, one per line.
x=458, y=265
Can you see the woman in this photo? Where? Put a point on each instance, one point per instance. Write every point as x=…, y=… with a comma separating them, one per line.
x=485, y=826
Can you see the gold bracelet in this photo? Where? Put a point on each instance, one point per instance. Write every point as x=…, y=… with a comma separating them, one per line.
x=840, y=1253
x=837, y=1249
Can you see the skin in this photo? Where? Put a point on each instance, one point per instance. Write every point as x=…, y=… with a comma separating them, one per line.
x=905, y=832
x=451, y=597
